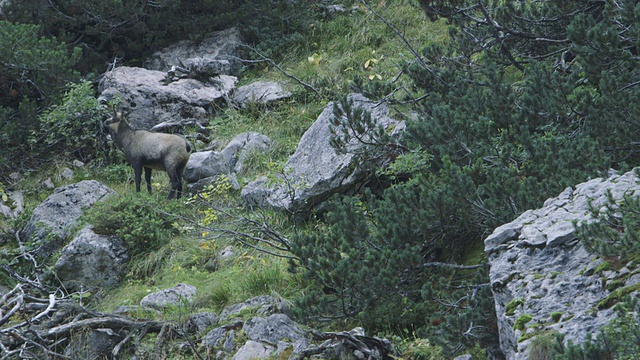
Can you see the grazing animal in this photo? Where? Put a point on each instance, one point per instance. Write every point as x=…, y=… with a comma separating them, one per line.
x=150, y=150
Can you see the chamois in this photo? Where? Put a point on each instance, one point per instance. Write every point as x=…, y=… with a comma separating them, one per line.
x=150, y=150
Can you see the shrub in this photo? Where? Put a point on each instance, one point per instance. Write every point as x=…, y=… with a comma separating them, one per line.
x=143, y=222
x=74, y=127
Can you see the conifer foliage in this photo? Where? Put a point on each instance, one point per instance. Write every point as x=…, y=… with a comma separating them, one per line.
x=528, y=98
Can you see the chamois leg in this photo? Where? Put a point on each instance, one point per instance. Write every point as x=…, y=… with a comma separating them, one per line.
x=137, y=173
x=147, y=178
x=176, y=185
x=179, y=175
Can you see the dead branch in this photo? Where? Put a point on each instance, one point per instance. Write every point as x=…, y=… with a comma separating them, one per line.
x=273, y=63
x=412, y=49
x=105, y=321
x=36, y=326
x=372, y=347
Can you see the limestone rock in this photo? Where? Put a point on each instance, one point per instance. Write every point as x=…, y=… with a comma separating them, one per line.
x=272, y=329
x=91, y=261
x=205, y=164
x=205, y=167
x=253, y=350
x=242, y=146
x=149, y=101
x=538, y=268
x=52, y=220
x=175, y=296
x=220, y=50
x=259, y=92
x=316, y=171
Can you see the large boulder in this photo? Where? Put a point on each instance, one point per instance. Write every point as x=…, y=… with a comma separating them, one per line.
x=91, y=261
x=53, y=220
x=543, y=279
x=150, y=100
x=316, y=171
x=218, y=54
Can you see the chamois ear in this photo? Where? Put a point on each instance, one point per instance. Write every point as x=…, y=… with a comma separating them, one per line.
x=115, y=117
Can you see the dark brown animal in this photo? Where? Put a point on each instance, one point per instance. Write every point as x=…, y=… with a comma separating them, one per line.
x=152, y=151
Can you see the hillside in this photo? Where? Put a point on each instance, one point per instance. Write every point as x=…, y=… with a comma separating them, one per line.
x=505, y=105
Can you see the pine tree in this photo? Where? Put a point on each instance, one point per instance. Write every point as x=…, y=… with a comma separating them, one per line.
x=527, y=99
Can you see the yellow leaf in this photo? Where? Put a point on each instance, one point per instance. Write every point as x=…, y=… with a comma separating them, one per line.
x=367, y=63
x=371, y=77
x=314, y=59
x=5, y=198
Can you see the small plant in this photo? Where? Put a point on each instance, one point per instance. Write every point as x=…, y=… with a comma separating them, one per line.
x=541, y=346
x=513, y=305
x=556, y=316
x=418, y=348
x=142, y=222
x=264, y=280
x=521, y=321
x=221, y=295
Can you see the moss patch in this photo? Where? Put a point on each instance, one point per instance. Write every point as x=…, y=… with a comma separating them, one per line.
x=521, y=321
x=513, y=305
x=616, y=295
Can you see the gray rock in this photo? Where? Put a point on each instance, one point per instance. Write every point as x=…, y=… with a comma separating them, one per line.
x=316, y=171
x=253, y=350
x=204, y=68
x=14, y=206
x=242, y=146
x=178, y=295
x=264, y=305
x=219, y=47
x=54, y=219
x=200, y=322
x=222, y=337
x=67, y=173
x=91, y=261
x=205, y=167
x=48, y=184
x=227, y=252
x=206, y=164
x=464, y=357
x=259, y=92
x=272, y=329
x=148, y=101
x=538, y=260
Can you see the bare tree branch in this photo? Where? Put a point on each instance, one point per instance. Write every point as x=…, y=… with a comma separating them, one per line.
x=273, y=63
x=415, y=53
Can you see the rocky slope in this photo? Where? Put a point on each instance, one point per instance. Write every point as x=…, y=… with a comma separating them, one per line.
x=543, y=279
